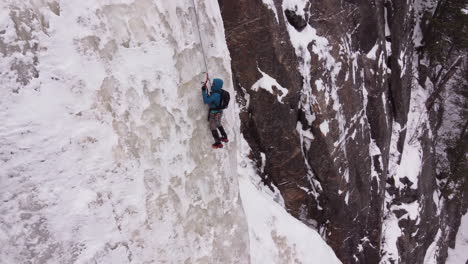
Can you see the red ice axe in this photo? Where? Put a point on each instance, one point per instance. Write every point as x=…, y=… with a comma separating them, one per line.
x=207, y=81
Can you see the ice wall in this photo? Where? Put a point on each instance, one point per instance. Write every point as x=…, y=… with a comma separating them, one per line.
x=105, y=152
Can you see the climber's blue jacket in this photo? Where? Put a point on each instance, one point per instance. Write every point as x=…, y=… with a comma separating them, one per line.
x=214, y=99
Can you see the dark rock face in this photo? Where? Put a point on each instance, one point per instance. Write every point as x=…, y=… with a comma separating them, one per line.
x=298, y=22
x=327, y=179
x=334, y=143
x=258, y=46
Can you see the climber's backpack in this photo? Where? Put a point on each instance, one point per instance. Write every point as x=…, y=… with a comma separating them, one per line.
x=224, y=101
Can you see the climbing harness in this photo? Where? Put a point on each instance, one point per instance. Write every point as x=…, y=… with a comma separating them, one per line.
x=201, y=43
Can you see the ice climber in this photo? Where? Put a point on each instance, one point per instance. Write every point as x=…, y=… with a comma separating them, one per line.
x=217, y=100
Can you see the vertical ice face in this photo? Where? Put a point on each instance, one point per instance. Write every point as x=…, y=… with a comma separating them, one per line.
x=104, y=146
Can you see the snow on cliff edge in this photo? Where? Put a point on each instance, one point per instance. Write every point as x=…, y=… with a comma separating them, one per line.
x=276, y=236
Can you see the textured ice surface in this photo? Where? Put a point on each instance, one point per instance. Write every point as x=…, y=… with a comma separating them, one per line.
x=105, y=152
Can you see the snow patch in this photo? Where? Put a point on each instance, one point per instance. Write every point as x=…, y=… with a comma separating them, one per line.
x=267, y=83
x=298, y=6
x=391, y=231
x=372, y=54
x=263, y=156
x=319, y=85
x=324, y=127
x=410, y=165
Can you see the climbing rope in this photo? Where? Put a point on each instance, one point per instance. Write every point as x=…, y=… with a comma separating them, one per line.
x=201, y=43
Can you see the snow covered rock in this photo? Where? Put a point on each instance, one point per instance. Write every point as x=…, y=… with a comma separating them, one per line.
x=354, y=146
x=316, y=139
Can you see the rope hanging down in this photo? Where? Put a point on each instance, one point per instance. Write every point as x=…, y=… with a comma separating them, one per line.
x=201, y=43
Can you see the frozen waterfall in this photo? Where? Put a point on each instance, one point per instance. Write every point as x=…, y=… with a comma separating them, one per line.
x=105, y=152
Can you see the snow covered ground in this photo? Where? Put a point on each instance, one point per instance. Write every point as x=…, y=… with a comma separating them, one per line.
x=105, y=152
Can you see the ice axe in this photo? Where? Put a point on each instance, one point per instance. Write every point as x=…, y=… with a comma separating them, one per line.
x=207, y=81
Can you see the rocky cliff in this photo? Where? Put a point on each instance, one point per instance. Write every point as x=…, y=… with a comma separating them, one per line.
x=342, y=103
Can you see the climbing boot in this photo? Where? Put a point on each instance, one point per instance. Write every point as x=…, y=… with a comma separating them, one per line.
x=217, y=145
